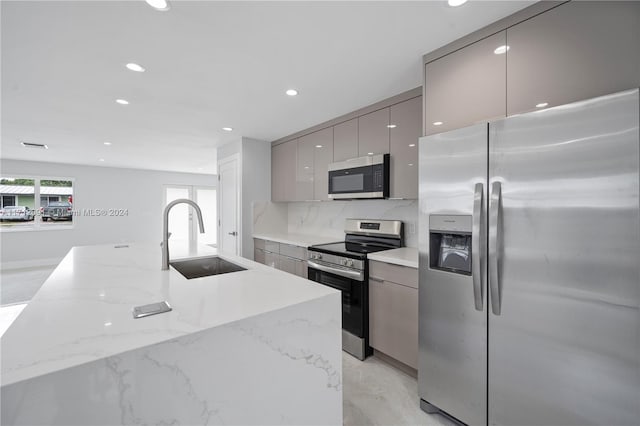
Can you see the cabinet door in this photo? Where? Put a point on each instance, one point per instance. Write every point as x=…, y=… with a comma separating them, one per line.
x=393, y=320
x=323, y=155
x=258, y=256
x=287, y=264
x=345, y=140
x=271, y=259
x=407, y=119
x=304, y=168
x=301, y=269
x=466, y=86
x=373, y=133
x=576, y=51
x=283, y=171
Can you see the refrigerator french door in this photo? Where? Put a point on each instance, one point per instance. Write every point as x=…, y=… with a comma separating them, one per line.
x=530, y=267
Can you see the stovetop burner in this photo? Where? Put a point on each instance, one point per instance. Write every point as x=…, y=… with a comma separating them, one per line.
x=363, y=237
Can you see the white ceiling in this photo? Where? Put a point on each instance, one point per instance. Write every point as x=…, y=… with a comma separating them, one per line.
x=209, y=65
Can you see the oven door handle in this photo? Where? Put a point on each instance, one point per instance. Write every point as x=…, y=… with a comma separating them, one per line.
x=354, y=275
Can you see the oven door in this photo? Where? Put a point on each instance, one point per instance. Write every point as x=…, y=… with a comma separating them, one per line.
x=353, y=298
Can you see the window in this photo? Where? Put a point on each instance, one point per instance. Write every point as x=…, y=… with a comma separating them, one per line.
x=30, y=203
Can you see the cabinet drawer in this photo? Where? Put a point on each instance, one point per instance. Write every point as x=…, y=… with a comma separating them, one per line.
x=272, y=246
x=296, y=252
x=258, y=243
x=394, y=273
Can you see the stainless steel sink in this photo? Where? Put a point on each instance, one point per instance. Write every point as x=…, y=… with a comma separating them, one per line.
x=204, y=267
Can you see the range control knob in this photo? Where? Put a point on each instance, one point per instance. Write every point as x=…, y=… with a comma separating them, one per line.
x=350, y=263
x=343, y=262
x=319, y=256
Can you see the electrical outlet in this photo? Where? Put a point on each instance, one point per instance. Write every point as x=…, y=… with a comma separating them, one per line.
x=412, y=228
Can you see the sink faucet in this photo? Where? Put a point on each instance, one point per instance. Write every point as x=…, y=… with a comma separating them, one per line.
x=165, y=228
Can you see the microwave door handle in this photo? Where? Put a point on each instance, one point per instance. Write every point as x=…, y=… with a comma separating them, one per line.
x=477, y=257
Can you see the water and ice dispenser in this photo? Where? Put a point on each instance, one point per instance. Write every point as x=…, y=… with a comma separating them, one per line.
x=450, y=243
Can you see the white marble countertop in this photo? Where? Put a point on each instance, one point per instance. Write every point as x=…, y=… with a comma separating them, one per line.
x=83, y=311
x=404, y=256
x=301, y=240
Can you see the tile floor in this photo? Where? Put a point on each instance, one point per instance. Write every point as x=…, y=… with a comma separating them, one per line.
x=20, y=285
x=374, y=392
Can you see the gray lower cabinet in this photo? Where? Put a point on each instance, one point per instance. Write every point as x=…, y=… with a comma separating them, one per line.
x=285, y=257
x=393, y=311
x=578, y=50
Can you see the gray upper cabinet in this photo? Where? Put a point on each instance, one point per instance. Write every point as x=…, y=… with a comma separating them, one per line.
x=373, y=133
x=323, y=155
x=576, y=51
x=466, y=86
x=407, y=118
x=345, y=140
x=283, y=169
x=315, y=152
x=304, y=168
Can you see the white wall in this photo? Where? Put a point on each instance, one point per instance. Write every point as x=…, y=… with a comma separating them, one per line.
x=255, y=180
x=139, y=191
x=327, y=218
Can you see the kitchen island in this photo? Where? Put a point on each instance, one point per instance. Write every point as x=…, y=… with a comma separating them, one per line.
x=258, y=346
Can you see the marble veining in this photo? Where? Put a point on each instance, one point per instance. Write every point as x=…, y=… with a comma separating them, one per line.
x=273, y=357
x=326, y=219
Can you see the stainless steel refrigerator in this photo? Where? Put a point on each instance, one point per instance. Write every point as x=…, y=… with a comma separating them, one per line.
x=530, y=267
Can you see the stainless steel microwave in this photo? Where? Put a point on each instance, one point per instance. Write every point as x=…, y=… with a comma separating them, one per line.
x=363, y=177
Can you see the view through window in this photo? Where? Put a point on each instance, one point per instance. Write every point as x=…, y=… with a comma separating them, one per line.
x=35, y=203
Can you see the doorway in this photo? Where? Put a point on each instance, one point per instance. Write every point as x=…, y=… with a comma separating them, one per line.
x=230, y=188
x=181, y=223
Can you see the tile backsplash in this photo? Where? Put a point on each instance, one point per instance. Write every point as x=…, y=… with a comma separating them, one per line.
x=327, y=218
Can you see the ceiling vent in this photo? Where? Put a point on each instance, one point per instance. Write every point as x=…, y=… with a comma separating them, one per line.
x=34, y=145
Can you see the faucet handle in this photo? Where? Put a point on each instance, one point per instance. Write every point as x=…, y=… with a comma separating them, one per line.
x=168, y=235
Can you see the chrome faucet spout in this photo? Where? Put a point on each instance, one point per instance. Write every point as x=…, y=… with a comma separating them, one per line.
x=165, y=227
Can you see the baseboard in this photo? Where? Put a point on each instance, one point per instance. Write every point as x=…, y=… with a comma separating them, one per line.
x=395, y=363
x=30, y=264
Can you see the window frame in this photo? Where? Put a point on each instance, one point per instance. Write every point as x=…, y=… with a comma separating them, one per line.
x=37, y=225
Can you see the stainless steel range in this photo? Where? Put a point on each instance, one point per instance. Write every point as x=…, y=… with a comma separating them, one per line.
x=344, y=267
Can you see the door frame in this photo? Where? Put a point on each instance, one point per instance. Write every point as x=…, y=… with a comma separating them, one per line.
x=234, y=157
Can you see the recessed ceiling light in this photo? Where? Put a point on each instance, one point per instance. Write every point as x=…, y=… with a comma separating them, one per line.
x=292, y=92
x=411, y=145
x=122, y=101
x=101, y=160
x=410, y=164
x=391, y=126
x=34, y=145
x=542, y=104
x=437, y=123
x=501, y=49
x=107, y=324
x=456, y=3
x=158, y=4
x=107, y=143
x=318, y=146
x=135, y=67
x=306, y=167
x=227, y=129
x=369, y=153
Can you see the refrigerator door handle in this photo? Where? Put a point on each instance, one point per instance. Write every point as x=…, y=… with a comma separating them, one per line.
x=476, y=244
x=494, y=220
